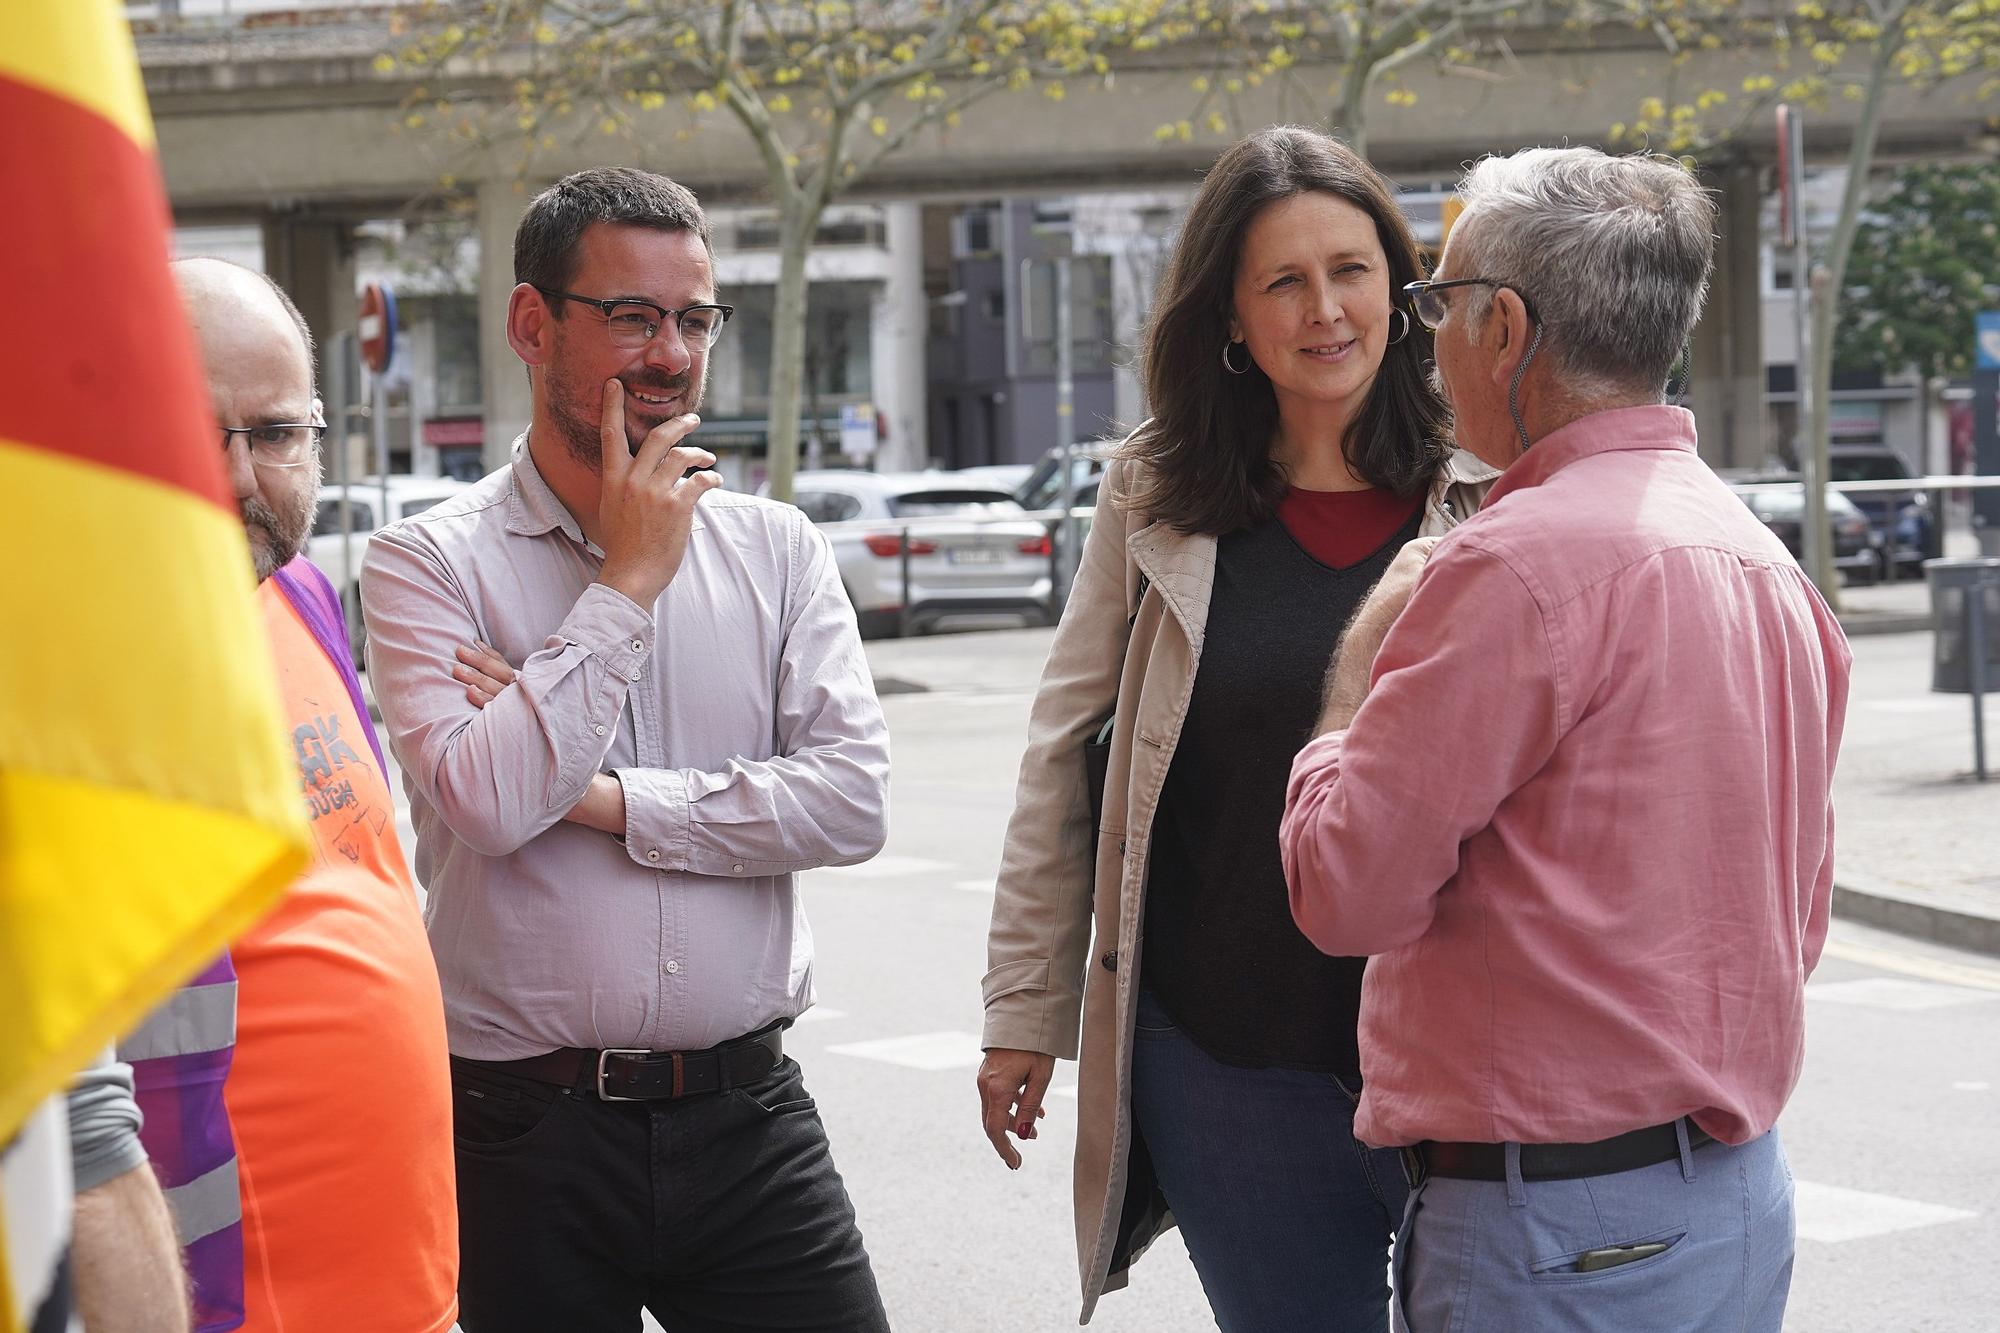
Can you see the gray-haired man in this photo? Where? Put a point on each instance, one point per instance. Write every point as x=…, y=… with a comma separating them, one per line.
x=1581, y=818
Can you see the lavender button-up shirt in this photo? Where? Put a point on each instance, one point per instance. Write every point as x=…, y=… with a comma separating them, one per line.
x=737, y=713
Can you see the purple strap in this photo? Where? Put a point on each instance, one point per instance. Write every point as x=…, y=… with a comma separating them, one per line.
x=313, y=598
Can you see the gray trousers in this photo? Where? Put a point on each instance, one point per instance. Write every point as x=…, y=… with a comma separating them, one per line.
x=1477, y=1256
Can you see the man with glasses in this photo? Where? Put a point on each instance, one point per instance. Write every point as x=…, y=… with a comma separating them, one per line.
x=631, y=707
x=1591, y=923
x=319, y=1039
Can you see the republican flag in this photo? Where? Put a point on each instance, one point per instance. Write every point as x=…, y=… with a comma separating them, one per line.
x=149, y=809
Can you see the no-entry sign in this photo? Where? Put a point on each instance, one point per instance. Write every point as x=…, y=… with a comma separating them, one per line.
x=377, y=327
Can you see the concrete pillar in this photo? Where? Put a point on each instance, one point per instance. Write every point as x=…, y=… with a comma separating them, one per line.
x=313, y=260
x=1726, y=389
x=898, y=328
x=1132, y=281
x=507, y=403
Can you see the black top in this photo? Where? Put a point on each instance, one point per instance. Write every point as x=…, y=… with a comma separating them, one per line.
x=1221, y=951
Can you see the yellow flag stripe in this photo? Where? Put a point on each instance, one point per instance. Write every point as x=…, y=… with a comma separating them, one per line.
x=80, y=50
x=111, y=904
x=135, y=654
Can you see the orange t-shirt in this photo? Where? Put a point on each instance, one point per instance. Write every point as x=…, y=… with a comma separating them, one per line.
x=340, y=1096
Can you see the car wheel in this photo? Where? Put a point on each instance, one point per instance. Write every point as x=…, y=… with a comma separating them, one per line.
x=880, y=624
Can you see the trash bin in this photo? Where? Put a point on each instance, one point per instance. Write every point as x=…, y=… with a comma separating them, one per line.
x=1956, y=587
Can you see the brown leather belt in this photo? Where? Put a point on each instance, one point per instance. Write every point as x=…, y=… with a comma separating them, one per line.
x=626, y=1075
x=1552, y=1161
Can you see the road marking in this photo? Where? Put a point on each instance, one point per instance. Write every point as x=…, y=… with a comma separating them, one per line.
x=1914, y=965
x=974, y=885
x=886, y=867
x=819, y=1013
x=1971, y=1085
x=926, y=1050
x=1896, y=993
x=1831, y=1214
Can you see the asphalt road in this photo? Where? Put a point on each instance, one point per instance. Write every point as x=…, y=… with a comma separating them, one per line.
x=1894, y=1133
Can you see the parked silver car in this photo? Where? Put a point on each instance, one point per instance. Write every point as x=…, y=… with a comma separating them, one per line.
x=972, y=550
x=407, y=496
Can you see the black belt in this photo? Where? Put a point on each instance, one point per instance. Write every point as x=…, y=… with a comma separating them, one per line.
x=1553, y=1161
x=635, y=1076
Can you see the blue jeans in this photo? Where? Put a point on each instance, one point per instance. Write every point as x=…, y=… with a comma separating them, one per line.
x=1287, y=1217
x=1480, y=1255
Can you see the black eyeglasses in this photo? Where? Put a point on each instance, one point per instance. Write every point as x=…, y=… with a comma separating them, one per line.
x=632, y=323
x=280, y=444
x=1431, y=308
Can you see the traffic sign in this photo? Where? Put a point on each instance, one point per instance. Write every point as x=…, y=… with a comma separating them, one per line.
x=1986, y=326
x=377, y=326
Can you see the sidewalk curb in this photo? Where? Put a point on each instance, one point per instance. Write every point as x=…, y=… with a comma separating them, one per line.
x=1907, y=914
x=1883, y=622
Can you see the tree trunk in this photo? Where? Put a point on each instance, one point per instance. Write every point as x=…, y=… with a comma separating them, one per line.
x=1350, y=113
x=1826, y=296
x=796, y=226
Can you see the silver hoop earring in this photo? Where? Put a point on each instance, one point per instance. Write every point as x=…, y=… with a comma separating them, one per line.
x=1406, y=325
x=1228, y=365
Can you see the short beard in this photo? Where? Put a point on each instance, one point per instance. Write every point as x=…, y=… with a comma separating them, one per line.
x=286, y=533
x=577, y=424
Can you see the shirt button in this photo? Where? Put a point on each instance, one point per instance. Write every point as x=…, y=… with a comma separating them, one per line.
x=653, y=854
x=737, y=868
x=673, y=966
x=636, y=673
x=638, y=645
x=600, y=729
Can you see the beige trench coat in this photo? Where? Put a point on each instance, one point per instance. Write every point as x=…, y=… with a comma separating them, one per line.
x=1064, y=943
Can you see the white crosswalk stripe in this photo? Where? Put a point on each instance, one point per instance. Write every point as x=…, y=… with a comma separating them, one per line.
x=1896, y=993
x=1831, y=1214
x=925, y=1050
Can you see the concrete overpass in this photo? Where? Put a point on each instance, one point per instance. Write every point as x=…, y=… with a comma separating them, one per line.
x=293, y=126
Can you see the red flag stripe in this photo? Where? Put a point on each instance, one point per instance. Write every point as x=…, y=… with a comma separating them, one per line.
x=96, y=361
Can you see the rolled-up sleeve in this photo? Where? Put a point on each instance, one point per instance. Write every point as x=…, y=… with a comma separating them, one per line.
x=1463, y=708
x=823, y=798
x=502, y=774
x=104, y=1124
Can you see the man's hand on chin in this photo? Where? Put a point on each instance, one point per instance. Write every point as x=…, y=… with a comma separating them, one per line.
x=1354, y=659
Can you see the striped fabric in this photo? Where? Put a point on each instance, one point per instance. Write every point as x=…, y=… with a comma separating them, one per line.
x=148, y=809
x=180, y=1057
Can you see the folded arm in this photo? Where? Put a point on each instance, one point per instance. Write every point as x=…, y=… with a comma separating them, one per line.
x=823, y=798
x=501, y=774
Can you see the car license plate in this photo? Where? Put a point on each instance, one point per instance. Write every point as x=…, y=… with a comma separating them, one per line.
x=974, y=555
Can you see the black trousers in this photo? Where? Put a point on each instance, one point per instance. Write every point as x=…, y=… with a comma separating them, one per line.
x=720, y=1211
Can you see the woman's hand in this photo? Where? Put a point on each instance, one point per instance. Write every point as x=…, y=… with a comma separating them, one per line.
x=1011, y=1087
x=483, y=672
x=1354, y=660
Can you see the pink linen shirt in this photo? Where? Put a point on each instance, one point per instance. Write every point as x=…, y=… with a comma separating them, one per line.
x=1583, y=821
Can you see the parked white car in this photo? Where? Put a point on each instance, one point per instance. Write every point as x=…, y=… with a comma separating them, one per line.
x=407, y=496
x=972, y=550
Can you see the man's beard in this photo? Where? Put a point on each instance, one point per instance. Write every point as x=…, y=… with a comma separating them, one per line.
x=284, y=533
x=577, y=422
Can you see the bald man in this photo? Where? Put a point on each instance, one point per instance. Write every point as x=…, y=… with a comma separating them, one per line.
x=335, y=1210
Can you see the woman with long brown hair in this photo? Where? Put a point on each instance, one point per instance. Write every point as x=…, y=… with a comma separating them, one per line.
x=1295, y=447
